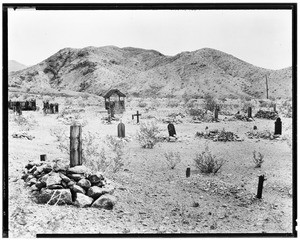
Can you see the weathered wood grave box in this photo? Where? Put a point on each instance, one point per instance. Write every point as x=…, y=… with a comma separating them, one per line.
x=114, y=101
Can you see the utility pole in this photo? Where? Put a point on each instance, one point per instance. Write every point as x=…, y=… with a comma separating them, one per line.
x=267, y=87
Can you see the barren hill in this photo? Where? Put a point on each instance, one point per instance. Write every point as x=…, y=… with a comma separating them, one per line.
x=15, y=66
x=148, y=73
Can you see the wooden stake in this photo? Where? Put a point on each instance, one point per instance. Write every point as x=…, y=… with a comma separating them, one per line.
x=261, y=180
x=188, y=172
x=75, y=145
x=43, y=157
x=267, y=87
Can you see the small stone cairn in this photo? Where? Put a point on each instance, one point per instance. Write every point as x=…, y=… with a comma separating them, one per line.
x=57, y=184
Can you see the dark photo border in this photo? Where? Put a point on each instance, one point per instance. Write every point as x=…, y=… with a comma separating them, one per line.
x=145, y=6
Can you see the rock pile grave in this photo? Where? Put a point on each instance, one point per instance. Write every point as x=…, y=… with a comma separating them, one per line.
x=266, y=114
x=54, y=184
x=216, y=135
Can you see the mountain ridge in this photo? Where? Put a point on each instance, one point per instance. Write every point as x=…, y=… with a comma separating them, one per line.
x=146, y=72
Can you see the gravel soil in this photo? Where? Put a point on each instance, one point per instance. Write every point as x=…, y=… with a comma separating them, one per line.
x=152, y=197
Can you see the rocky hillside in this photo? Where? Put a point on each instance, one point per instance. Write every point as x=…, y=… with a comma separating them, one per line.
x=147, y=73
x=14, y=66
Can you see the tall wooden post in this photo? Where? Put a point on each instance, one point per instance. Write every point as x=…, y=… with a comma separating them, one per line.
x=75, y=145
x=267, y=87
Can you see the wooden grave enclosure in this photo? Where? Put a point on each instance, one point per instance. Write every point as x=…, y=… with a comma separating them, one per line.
x=24, y=105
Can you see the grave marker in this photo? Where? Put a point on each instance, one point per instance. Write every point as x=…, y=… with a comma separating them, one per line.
x=121, y=129
x=137, y=116
x=274, y=107
x=261, y=180
x=51, y=108
x=216, y=112
x=75, y=145
x=56, y=108
x=171, y=130
x=249, y=112
x=278, y=126
x=188, y=172
x=43, y=157
x=18, y=108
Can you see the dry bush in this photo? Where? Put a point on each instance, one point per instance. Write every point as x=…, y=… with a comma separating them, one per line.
x=116, y=146
x=258, y=159
x=141, y=103
x=246, y=105
x=172, y=159
x=173, y=103
x=286, y=109
x=208, y=163
x=209, y=102
x=59, y=133
x=94, y=156
x=25, y=123
x=147, y=135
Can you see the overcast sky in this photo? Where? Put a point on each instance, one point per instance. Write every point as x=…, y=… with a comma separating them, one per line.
x=260, y=37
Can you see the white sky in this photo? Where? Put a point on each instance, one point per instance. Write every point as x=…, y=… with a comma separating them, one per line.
x=260, y=37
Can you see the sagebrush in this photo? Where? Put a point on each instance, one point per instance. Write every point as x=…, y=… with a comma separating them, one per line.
x=172, y=159
x=258, y=159
x=148, y=135
x=206, y=162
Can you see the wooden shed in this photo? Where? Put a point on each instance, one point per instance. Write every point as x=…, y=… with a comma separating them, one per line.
x=114, y=101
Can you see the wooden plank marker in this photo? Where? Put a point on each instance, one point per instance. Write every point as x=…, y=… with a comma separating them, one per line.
x=261, y=180
x=188, y=172
x=75, y=145
x=249, y=112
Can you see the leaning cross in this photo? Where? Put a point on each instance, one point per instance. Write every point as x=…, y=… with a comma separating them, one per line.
x=137, y=116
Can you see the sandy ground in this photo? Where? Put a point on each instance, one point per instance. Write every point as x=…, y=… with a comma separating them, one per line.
x=152, y=198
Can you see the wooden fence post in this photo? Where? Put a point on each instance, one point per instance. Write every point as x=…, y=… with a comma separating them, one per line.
x=75, y=145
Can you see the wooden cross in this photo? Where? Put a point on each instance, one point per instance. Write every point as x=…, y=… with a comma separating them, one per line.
x=137, y=116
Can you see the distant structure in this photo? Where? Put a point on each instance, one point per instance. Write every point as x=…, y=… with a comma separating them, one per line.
x=28, y=105
x=114, y=101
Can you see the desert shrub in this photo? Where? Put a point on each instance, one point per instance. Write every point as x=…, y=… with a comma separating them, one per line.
x=191, y=103
x=59, y=133
x=147, y=135
x=25, y=123
x=208, y=163
x=246, y=105
x=155, y=103
x=142, y=104
x=172, y=159
x=286, y=109
x=196, y=112
x=258, y=159
x=68, y=102
x=266, y=103
x=173, y=103
x=116, y=146
x=209, y=102
x=96, y=157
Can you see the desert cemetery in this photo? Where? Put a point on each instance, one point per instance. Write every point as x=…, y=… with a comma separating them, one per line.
x=123, y=141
